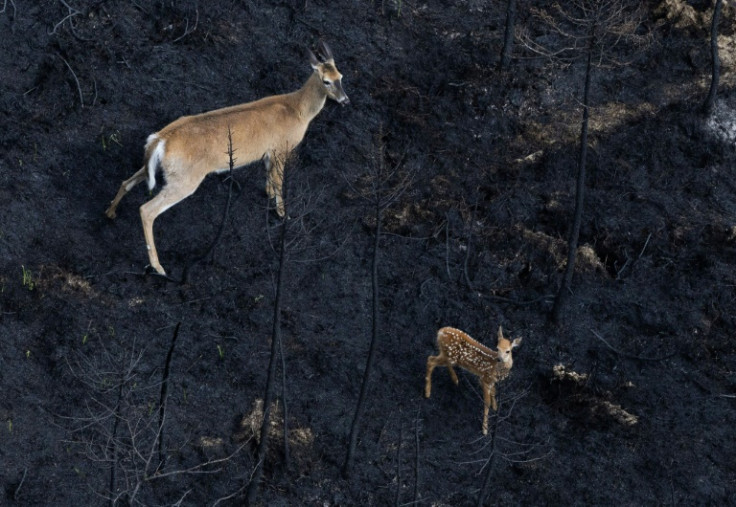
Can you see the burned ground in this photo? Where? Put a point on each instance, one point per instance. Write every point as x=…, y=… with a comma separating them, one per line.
x=629, y=399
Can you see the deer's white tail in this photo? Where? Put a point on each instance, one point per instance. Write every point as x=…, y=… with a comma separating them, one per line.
x=155, y=148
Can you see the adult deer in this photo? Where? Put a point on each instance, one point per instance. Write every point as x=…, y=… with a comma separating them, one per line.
x=268, y=129
x=458, y=349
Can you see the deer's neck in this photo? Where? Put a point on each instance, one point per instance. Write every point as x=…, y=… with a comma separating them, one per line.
x=311, y=97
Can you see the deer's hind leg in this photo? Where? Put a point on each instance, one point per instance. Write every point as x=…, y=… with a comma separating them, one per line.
x=126, y=187
x=174, y=192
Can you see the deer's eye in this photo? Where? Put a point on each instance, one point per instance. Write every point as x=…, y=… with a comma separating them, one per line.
x=327, y=83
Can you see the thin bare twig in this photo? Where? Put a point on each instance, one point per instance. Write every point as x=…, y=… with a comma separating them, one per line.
x=181, y=500
x=186, y=28
x=645, y=245
x=76, y=80
x=197, y=469
x=16, y=493
x=71, y=12
x=630, y=356
x=397, y=498
x=5, y=6
x=447, y=247
x=237, y=491
x=469, y=246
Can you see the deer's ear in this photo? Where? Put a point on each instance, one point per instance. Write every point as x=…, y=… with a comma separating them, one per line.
x=516, y=343
x=500, y=332
x=325, y=51
x=312, y=59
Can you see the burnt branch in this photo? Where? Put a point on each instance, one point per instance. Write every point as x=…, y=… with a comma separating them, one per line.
x=210, y=252
x=121, y=431
x=381, y=188
x=588, y=26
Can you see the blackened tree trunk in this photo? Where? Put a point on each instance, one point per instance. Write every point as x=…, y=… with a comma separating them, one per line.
x=347, y=466
x=715, y=60
x=270, y=383
x=572, y=244
x=164, y=396
x=508, y=38
x=482, y=497
x=383, y=190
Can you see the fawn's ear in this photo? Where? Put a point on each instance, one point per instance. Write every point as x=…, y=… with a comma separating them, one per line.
x=500, y=332
x=516, y=343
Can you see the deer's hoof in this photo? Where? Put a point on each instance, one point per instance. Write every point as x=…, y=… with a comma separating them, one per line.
x=159, y=271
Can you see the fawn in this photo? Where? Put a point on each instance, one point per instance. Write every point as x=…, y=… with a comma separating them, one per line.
x=458, y=349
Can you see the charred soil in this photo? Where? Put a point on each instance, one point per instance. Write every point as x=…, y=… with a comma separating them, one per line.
x=629, y=399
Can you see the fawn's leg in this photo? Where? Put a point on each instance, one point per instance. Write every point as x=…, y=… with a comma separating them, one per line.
x=487, y=397
x=453, y=375
x=431, y=364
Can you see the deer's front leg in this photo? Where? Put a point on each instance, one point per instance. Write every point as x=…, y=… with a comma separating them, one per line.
x=275, y=180
x=269, y=182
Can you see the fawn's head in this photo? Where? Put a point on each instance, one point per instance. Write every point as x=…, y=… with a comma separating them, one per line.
x=504, y=347
x=331, y=78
